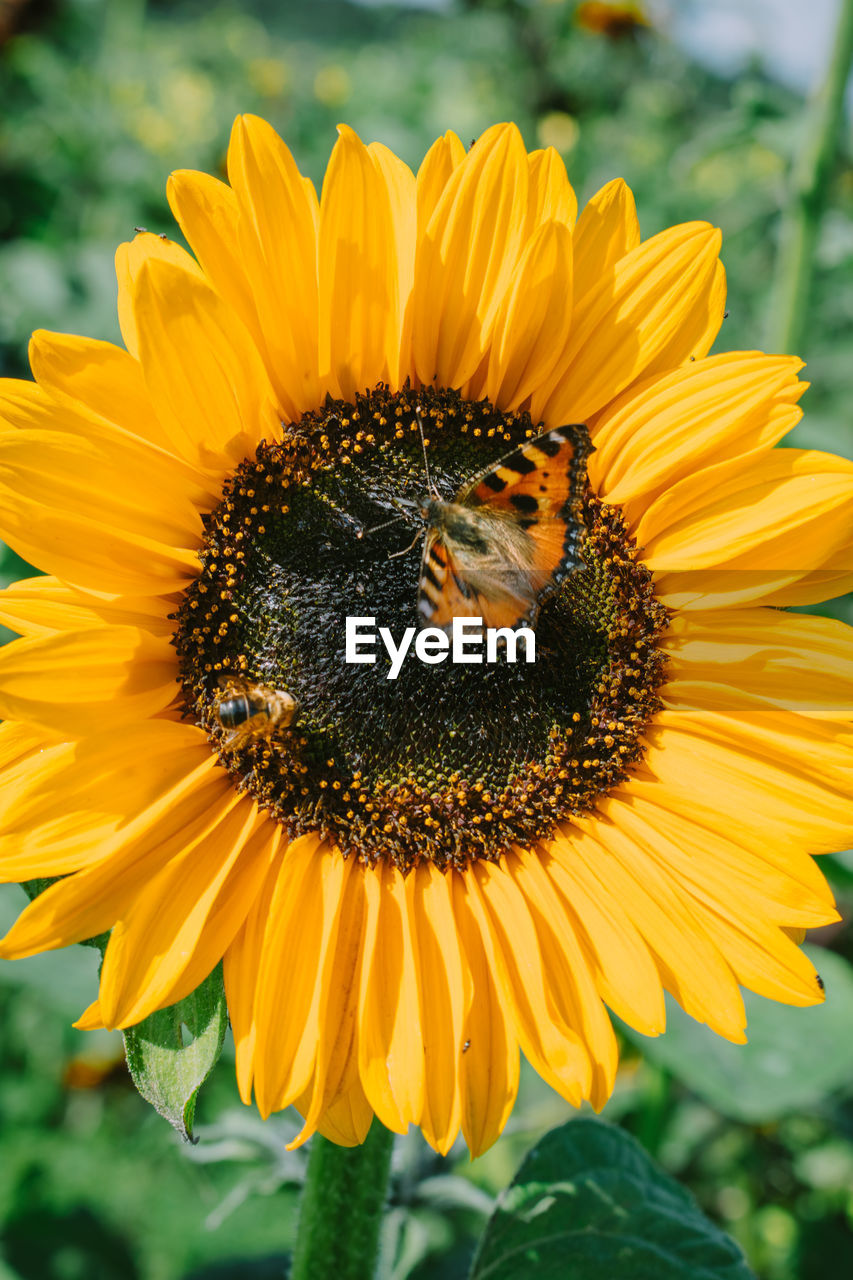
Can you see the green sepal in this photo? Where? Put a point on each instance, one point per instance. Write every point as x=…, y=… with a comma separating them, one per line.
x=589, y=1204
x=167, y=1069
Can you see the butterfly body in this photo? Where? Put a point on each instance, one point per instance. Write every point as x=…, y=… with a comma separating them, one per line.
x=510, y=536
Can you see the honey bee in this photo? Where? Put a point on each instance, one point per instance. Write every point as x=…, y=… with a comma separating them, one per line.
x=246, y=711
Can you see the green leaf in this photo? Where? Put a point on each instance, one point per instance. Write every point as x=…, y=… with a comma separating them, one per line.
x=589, y=1204
x=171, y=1053
x=793, y=1060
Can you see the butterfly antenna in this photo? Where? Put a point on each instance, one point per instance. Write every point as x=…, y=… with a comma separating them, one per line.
x=362, y=533
x=430, y=484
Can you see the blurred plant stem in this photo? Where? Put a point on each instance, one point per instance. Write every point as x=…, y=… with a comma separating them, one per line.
x=801, y=218
x=341, y=1211
x=655, y=1110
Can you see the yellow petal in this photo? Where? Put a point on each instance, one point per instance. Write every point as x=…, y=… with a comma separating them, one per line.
x=390, y=1036
x=128, y=484
x=466, y=257
x=694, y=337
x=787, y=510
x=445, y=994
x=625, y=972
x=402, y=195
x=91, y=554
x=509, y=939
x=278, y=248
x=833, y=579
x=488, y=1055
x=208, y=213
x=533, y=323
x=101, y=376
x=733, y=586
x=691, y=967
x=201, y=367
x=130, y=258
x=240, y=968
x=44, y=605
x=737, y=659
x=334, y=1097
x=180, y=924
x=633, y=312
x=571, y=983
x=705, y=412
x=725, y=875
x=360, y=318
x=194, y=801
x=62, y=804
x=813, y=749
x=87, y=681
x=348, y=1117
x=26, y=406
x=551, y=195
x=21, y=741
x=780, y=809
x=607, y=229
x=735, y=908
x=445, y=154
x=296, y=961
x=763, y=958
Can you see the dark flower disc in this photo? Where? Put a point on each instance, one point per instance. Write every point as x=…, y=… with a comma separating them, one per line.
x=449, y=762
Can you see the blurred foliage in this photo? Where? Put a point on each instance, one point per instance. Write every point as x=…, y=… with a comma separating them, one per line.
x=100, y=102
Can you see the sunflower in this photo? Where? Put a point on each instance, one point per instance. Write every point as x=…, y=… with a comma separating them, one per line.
x=410, y=880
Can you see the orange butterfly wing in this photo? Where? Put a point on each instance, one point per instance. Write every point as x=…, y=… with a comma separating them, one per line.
x=539, y=484
x=445, y=593
x=536, y=487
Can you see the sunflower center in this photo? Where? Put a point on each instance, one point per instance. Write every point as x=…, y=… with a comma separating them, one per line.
x=447, y=761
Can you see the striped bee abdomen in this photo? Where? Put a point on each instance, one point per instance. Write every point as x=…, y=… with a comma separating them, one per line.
x=236, y=710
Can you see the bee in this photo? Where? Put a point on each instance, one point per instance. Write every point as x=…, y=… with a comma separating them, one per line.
x=247, y=711
x=510, y=536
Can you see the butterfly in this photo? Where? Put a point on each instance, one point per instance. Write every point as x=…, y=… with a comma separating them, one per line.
x=510, y=536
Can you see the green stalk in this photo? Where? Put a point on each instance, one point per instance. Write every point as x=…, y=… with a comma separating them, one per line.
x=341, y=1211
x=801, y=219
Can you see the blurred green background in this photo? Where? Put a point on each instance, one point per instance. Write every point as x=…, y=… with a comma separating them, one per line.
x=99, y=102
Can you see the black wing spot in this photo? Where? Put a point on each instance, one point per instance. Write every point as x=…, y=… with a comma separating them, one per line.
x=525, y=502
x=494, y=482
x=551, y=444
x=520, y=463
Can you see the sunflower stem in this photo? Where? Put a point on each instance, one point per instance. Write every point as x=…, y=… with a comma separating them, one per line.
x=341, y=1211
x=800, y=224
